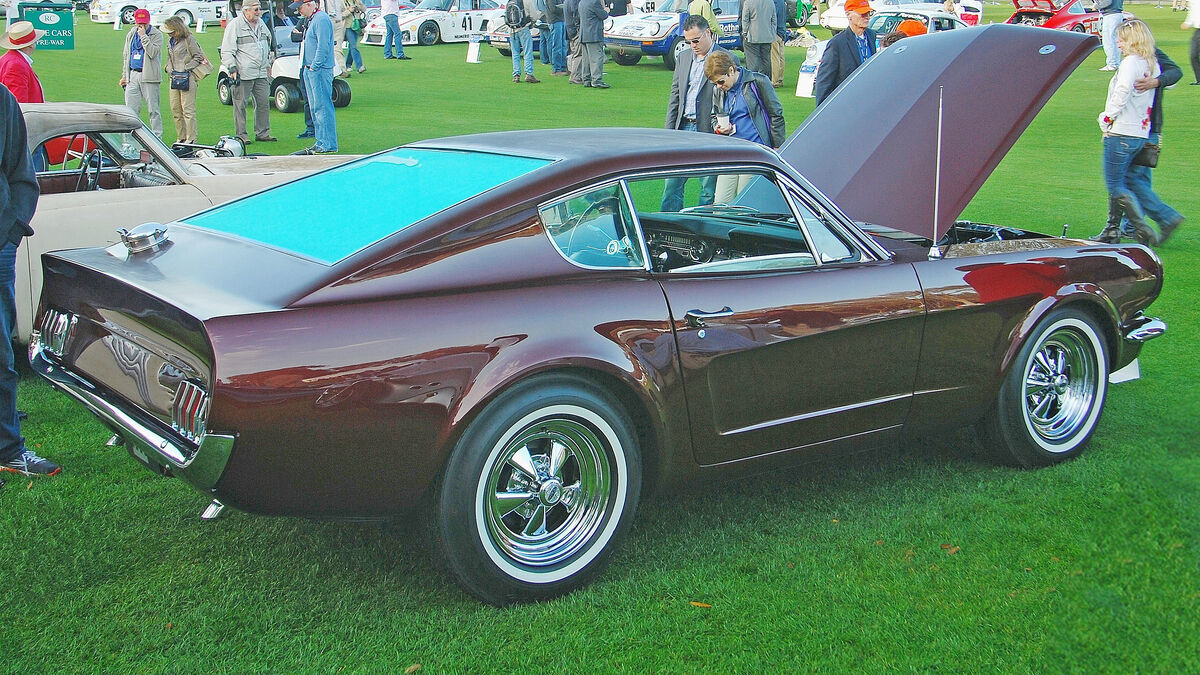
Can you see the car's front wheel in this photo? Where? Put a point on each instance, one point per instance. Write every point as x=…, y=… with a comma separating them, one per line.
x=127, y=15
x=672, y=55
x=224, y=93
x=428, y=33
x=538, y=491
x=1051, y=400
x=626, y=58
x=287, y=97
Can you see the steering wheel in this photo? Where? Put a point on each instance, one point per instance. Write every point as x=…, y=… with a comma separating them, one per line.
x=88, y=179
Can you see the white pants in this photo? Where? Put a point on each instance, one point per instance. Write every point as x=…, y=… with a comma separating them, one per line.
x=1108, y=37
x=137, y=91
x=730, y=185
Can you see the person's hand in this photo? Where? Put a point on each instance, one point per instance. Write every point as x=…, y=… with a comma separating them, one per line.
x=124, y=81
x=1144, y=83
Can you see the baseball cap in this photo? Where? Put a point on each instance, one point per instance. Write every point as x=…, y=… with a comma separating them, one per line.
x=141, y=16
x=860, y=6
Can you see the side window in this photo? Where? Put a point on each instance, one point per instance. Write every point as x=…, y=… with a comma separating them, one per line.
x=1076, y=8
x=719, y=222
x=827, y=243
x=595, y=229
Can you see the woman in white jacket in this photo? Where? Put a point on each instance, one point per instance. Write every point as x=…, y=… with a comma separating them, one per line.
x=1125, y=124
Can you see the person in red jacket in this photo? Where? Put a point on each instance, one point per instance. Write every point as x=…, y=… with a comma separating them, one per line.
x=16, y=66
x=16, y=72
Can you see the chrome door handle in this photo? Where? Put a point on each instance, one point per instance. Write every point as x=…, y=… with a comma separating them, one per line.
x=697, y=317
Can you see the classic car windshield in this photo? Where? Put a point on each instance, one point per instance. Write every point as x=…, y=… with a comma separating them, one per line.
x=434, y=4
x=371, y=199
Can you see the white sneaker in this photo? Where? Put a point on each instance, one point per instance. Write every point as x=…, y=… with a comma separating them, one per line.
x=1108, y=68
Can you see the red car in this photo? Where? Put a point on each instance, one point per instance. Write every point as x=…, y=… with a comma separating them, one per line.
x=518, y=333
x=1073, y=15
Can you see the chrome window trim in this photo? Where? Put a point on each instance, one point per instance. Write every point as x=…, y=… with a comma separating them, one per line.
x=566, y=197
x=836, y=219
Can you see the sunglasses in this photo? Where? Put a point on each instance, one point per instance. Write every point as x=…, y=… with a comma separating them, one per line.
x=694, y=42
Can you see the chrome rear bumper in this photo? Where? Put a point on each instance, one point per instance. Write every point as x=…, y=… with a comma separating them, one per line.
x=201, y=467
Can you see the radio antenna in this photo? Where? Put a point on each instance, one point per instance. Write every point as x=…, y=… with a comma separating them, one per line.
x=934, y=251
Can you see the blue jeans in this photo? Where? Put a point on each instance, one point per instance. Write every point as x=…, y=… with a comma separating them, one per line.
x=1118, y=157
x=558, y=46
x=1137, y=179
x=673, y=189
x=308, y=120
x=319, y=84
x=11, y=443
x=353, y=56
x=392, y=36
x=521, y=44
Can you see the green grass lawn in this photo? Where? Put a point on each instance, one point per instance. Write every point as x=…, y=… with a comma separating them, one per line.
x=928, y=559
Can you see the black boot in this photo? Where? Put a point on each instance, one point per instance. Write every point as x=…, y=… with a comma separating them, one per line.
x=1146, y=235
x=1111, y=234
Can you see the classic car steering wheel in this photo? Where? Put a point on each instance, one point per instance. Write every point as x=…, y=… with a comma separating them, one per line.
x=89, y=180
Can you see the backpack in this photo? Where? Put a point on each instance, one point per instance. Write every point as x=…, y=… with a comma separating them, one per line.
x=514, y=14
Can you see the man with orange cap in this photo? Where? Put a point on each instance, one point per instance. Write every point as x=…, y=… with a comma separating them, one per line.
x=847, y=50
x=16, y=66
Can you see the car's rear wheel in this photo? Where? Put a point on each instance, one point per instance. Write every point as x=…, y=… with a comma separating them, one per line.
x=626, y=58
x=538, y=491
x=672, y=55
x=341, y=93
x=287, y=97
x=1051, y=400
x=428, y=33
x=184, y=16
x=1078, y=28
x=224, y=93
x=504, y=52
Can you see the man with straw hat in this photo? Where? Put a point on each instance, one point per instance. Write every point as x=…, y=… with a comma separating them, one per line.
x=16, y=66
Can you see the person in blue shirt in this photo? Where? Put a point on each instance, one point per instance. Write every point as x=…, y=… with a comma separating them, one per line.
x=744, y=106
x=317, y=58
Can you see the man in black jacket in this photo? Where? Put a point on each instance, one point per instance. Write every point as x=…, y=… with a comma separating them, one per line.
x=846, y=51
x=18, y=200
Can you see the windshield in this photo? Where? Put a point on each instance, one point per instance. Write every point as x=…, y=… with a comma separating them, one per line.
x=672, y=5
x=886, y=23
x=435, y=4
x=362, y=202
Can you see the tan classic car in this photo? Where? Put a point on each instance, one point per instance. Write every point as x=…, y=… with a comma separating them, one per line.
x=109, y=171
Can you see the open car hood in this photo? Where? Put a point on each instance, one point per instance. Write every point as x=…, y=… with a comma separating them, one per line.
x=872, y=146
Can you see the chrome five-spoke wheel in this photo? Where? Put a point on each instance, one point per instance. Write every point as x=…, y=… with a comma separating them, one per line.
x=547, y=491
x=538, y=490
x=1051, y=400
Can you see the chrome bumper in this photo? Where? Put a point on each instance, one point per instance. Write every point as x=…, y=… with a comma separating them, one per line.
x=202, y=467
x=1141, y=328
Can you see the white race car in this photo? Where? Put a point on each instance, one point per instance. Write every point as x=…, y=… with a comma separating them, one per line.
x=882, y=23
x=435, y=21
x=107, y=11
x=209, y=11
x=658, y=33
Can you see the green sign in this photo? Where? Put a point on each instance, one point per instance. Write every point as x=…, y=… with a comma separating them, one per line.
x=57, y=19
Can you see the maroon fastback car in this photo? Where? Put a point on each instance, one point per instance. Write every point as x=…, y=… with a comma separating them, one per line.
x=523, y=331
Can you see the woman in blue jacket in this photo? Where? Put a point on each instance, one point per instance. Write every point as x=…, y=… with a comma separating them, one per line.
x=753, y=110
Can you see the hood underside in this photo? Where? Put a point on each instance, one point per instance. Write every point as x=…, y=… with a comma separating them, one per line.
x=872, y=146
